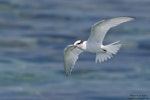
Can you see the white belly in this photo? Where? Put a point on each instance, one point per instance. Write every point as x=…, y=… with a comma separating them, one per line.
x=94, y=48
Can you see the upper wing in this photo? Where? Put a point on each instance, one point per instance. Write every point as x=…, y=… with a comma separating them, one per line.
x=100, y=28
x=70, y=57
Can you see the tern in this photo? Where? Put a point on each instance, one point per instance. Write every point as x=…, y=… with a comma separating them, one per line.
x=94, y=44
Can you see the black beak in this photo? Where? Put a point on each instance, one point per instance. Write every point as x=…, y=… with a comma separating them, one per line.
x=75, y=46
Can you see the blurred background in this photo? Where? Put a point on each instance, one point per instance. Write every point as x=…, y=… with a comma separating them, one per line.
x=34, y=33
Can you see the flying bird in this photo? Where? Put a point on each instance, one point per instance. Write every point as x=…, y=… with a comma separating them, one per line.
x=94, y=44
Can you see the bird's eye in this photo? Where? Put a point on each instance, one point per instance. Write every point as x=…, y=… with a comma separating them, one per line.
x=79, y=43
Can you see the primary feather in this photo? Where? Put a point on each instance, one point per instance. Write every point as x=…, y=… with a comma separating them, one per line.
x=70, y=57
x=100, y=28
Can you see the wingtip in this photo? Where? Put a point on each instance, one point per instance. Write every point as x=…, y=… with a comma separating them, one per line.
x=133, y=18
x=130, y=17
x=68, y=74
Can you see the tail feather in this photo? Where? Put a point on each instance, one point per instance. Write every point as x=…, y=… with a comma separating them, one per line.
x=113, y=47
x=110, y=50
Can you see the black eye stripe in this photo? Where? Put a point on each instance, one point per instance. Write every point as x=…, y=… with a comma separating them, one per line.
x=80, y=42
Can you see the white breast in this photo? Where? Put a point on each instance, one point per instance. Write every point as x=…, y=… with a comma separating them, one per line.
x=94, y=48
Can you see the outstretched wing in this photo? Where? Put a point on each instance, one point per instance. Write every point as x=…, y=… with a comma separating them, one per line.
x=71, y=53
x=100, y=28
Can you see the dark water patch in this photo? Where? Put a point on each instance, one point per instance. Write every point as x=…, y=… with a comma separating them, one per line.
x=54, y=17
x=9, y=25
x=137, y=52
x=107, y=98
x=25, y=96
x=18, y=55
x=145, y=76
x=78, y=72
x=56, y=41
x=144, y=44
x=5, y=61
x=89, y=74
x=118, y=69
x=6, y=4
x=14, y=78
x=56, y=44
x=133, y=76
x=13, y=44
x=58, y=17
x=49, y=35
x=36, y=55
x=41, y=59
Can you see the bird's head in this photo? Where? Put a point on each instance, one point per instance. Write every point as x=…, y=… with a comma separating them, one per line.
x=78, y=43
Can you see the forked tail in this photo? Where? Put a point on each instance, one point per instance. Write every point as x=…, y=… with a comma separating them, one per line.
x=108, y=51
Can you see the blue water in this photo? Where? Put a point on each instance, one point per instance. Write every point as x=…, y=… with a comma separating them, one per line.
x=34, y=33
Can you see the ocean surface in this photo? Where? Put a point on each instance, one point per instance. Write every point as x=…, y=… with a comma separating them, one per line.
x=34, y=33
